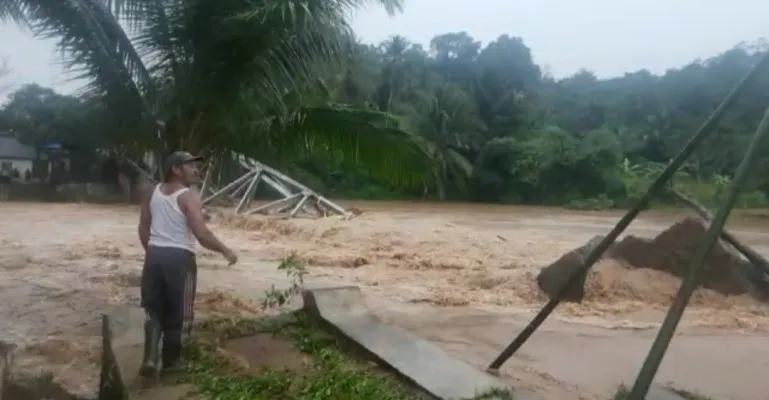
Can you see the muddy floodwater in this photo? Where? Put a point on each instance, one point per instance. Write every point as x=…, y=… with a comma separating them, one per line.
x=460, y=275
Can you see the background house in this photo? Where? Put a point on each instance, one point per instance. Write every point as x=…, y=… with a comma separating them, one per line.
x=15, y=156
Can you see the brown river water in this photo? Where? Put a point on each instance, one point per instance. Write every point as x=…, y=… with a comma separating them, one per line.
x=461, y=275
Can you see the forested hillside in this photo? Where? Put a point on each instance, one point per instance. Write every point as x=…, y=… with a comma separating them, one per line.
x=501, y=129
x=458, y=120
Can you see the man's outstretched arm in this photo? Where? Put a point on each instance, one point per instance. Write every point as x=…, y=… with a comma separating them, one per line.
x=192, y=208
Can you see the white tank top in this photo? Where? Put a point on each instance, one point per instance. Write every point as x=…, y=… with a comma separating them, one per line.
x=169, y=224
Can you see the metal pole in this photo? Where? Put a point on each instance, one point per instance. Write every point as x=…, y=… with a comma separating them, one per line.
x=272, y=204
x=623, y=223
x=229, y=186
x=299, y=205
x=691, y=281
x=246, y=199
x=207, y=179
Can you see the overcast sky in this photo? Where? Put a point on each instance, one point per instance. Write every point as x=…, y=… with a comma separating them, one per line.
x=609, y=37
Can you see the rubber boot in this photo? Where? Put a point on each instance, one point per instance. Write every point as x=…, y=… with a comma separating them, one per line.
x=150, y=364
x=172, y=350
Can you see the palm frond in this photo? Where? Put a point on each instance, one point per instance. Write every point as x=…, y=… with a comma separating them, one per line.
x=94, y=47
x=240, y=75
x=356, y=138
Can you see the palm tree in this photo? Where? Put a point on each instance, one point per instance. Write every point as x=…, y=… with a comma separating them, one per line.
x=444, y=120
x=220, y=75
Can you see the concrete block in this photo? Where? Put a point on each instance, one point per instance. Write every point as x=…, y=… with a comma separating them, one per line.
x=419, y=361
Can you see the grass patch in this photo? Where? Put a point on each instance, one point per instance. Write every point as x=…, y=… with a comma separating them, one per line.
x=325, y=373
x=287, y=357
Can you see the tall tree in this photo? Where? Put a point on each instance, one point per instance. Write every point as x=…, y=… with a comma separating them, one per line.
x=213, y=76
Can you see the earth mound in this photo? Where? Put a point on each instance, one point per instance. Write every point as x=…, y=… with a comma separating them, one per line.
x=671, y=253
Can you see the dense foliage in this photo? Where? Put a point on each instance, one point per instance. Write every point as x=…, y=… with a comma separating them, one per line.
x=500, y=129
x=285, y=82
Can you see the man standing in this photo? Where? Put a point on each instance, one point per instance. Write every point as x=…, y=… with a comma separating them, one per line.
x=171, y=220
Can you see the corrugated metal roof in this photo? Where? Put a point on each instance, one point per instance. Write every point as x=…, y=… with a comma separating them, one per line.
x=11, y=148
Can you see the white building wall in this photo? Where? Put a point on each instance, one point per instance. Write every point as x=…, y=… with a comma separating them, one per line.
x=22, y=165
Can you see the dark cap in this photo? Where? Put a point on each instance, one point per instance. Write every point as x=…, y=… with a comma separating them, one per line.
x=177, y=159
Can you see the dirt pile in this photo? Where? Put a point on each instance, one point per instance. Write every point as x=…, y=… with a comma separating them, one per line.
x=672, y=251
x=650, y=269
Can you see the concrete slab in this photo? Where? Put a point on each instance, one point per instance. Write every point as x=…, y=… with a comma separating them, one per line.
x=418, y=360
x=127, y=325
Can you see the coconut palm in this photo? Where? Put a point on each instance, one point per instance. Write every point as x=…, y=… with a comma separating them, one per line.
x=442, y=119
x=220, y=75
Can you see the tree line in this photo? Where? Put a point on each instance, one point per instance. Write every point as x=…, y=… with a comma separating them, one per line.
x=456, y=120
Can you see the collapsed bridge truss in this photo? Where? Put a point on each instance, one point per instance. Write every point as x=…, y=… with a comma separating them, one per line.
x=296, y=197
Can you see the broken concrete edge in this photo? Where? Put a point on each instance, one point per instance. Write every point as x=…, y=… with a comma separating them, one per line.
x=111, y=384
x=346, y=344
x=360, y=351
x=15, y=384
x=122, y=343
